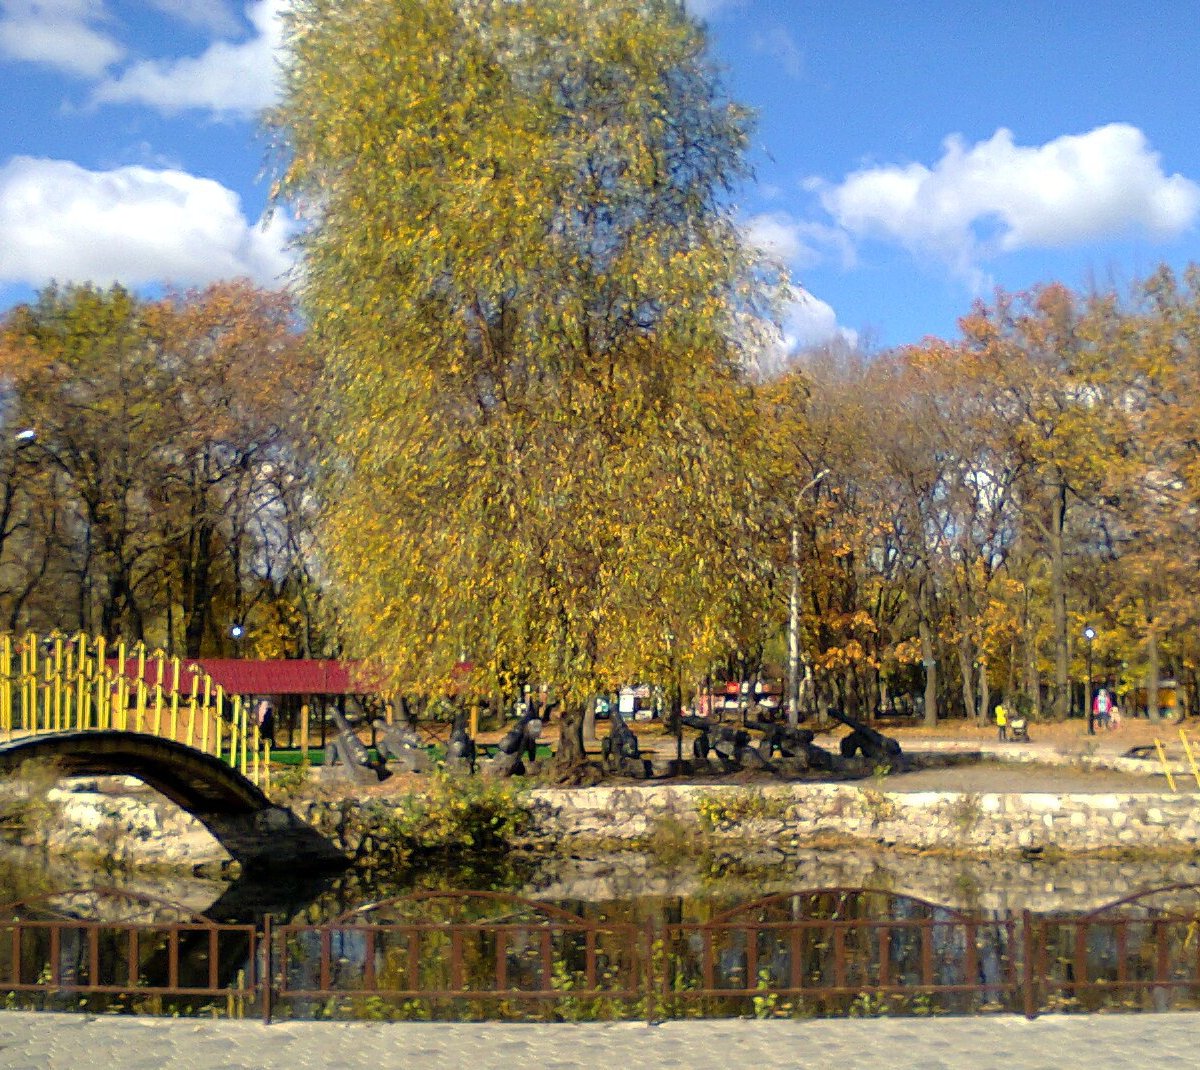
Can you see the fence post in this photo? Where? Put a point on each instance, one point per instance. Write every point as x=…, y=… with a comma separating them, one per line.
x=267, y=976
x=1028, y=980
x=653, y=993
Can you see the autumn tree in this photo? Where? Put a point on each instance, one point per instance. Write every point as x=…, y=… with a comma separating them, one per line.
x=81, y=361
x=236, y=456
x=162, y=469
x=532, y=301
x=1040, y=358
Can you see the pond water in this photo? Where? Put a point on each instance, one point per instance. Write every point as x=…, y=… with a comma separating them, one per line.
x=606, y=936
x=626, y=885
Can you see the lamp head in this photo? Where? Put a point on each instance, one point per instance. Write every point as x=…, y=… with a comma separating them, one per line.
x=1089, y=633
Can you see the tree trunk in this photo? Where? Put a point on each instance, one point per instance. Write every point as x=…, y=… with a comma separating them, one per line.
x=925, y=632
x=927, y=658
x=1152, y=674
x=589, y=723
x=985, y=695
x=966, y=671
x=570, y=755
x=1033, y=682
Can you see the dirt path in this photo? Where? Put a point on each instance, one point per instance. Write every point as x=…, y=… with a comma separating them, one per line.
x=1016, y=778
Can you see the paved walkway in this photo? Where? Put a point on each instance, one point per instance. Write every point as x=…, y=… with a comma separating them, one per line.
x=1055, y=1042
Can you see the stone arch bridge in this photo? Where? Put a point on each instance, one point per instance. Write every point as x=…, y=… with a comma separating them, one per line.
x=239, y=815
x=95, y=708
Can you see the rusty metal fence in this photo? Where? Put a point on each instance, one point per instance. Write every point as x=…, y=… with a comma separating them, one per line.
x=486, y=956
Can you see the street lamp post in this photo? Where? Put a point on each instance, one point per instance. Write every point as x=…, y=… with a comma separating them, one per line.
x=793, y=680
x=1089, y=633
x=235, y=633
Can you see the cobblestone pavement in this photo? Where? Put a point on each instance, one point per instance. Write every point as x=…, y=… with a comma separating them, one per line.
x=1055, y=1042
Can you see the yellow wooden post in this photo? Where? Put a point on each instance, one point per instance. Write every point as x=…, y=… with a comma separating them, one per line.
x=303, y=732
x=103, y=684
x=7, y=696
x=122, y=701
x=1187, y=749
x=48, y=692
x=1162, y=757
x=23, y=685
x=82, y=668
x=58, y=682
x=255, y=761
x=241, y=713
x=266, y=784
x=237, y=734
x=140, y=722
x=159, y=662
x=217, y=718
x=175, y=698
x=31, y=716
x=68, y=685
x=245, y=733
x=83, y=694
x=191, y=728
x=204, y=721
x=104, y=690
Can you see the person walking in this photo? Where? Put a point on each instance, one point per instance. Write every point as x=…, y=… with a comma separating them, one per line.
x=1001, y=722
x=1102, y=707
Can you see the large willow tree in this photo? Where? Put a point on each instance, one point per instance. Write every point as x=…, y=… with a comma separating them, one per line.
x=522, y=272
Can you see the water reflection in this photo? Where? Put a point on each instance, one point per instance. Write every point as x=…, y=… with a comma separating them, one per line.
x=628, y=886
x=403, y=945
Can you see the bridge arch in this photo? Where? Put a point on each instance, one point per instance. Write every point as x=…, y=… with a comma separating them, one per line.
x=237, y=813
x=199, y=783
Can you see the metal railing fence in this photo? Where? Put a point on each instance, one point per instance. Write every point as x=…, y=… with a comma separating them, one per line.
x=476, y=955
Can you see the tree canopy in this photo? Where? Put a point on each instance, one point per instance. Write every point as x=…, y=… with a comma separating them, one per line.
x=524, y=275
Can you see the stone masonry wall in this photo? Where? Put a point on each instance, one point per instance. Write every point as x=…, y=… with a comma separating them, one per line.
x=767, y=824
x=793, y=816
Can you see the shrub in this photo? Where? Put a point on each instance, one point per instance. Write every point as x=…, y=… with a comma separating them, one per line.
x=736, y=807
x=457, y=814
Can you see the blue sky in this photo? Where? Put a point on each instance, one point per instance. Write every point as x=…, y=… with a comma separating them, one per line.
x=909, y=157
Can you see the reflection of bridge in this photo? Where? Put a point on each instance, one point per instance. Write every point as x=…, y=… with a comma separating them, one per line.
x=75, y=704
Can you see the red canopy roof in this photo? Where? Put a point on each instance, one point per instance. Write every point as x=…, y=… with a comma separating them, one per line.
x=240, y=676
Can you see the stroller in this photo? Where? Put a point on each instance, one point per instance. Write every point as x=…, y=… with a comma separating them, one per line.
x=1018, y=730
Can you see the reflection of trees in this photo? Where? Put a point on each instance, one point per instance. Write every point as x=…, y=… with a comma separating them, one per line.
x=109, y=944
x=443, y=947
x=840, y=943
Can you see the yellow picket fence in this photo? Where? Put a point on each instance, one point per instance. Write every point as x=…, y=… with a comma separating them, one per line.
x=58, y=683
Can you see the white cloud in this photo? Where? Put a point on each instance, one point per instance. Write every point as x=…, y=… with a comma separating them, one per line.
x=133, y=225
x=807, y=323
x=797, y=243
x=62, y=34
x=228, y=78
x=996, y=196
